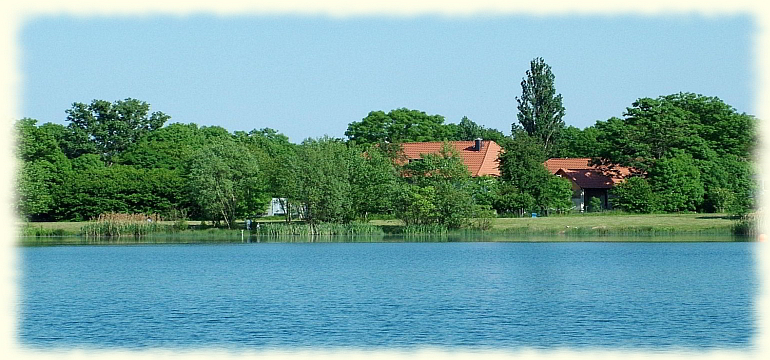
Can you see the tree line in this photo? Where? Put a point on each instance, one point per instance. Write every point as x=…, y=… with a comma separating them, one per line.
x=689, y=153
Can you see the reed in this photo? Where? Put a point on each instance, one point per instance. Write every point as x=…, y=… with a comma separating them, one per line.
x=117, y=225
x=745, y=227
x=425, y=229
x=321, y=229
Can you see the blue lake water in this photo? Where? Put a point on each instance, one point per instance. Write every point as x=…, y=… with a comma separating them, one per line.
x=390, y=296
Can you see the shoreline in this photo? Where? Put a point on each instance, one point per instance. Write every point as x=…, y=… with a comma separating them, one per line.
x=160, y=239
x=560, y=225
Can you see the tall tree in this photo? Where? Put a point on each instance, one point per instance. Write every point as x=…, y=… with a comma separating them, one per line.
x=43, y=168
x=170, y=147
x=467, y=130
x=374, y=181
x=540, y=108
x=702, y=132
x=438, y=190
x=226, y=182
x=577, y=143
x=323, y=180
x=106, y=129
x=399, y=125
x=522, y=170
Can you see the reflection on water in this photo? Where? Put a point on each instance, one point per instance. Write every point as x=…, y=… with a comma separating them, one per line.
x=472, y=237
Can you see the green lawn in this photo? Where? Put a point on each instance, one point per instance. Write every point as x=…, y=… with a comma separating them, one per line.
x=611, y=223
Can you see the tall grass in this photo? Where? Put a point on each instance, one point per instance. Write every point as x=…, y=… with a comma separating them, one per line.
x=425, y=229
x=322, y=229
x=745, y=227
x=39, y=231
x=117, y=225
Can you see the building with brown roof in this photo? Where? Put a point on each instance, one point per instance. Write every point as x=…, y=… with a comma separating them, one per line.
x=588, y=180
x=480, y=156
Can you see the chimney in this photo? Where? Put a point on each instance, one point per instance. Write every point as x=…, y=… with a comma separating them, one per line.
x=477, y=146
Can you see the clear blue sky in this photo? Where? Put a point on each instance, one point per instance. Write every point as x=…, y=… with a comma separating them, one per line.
x=307, y=76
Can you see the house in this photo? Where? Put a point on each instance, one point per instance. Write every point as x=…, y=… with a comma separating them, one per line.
x=276, y=207
x=588, y=181
x=480, y=156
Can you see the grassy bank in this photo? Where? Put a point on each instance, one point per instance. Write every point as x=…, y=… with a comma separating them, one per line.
x=628, y=224
x=604, y=224
x=571, y=225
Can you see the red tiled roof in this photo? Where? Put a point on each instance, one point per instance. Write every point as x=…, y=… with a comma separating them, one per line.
x=587, y=179
x=482, y=162
x=588, y=176
x=555, y=164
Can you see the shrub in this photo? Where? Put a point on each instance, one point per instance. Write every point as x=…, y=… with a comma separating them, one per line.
x=595, y=204
x=483, y=218
x=635, y=195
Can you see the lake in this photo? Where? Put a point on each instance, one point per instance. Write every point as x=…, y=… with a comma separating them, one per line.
x=467, y=295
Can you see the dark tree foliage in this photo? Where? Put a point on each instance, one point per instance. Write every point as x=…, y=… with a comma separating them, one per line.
x=170, y=147
x=467, y=130
x=540, y=109
x=118, y=188
x=577, y=143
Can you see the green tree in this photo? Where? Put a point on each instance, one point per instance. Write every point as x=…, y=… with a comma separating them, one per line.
x=43, y=169
x=540, y=109
x=595, y=204
x=106, y=129
x=577, y=143
x=635, y=195
x=653, y=129
x=34, y=196
x=323, y=180
x=677, y=181
x=484, y=190
x=717, y=140
x=226, y=182
x=521, y=167
x=285, y=181
x=271, y=147
x=170, y=147
x=87, y=162
x=117, y=188
x=437, y=191
x=521, y=164
x=511, y=200
x=374, y=181
x=554, y=194
x=416, y=205
x=399, y=125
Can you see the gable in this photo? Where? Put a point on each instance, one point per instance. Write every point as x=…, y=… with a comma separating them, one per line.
x=588, y=176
